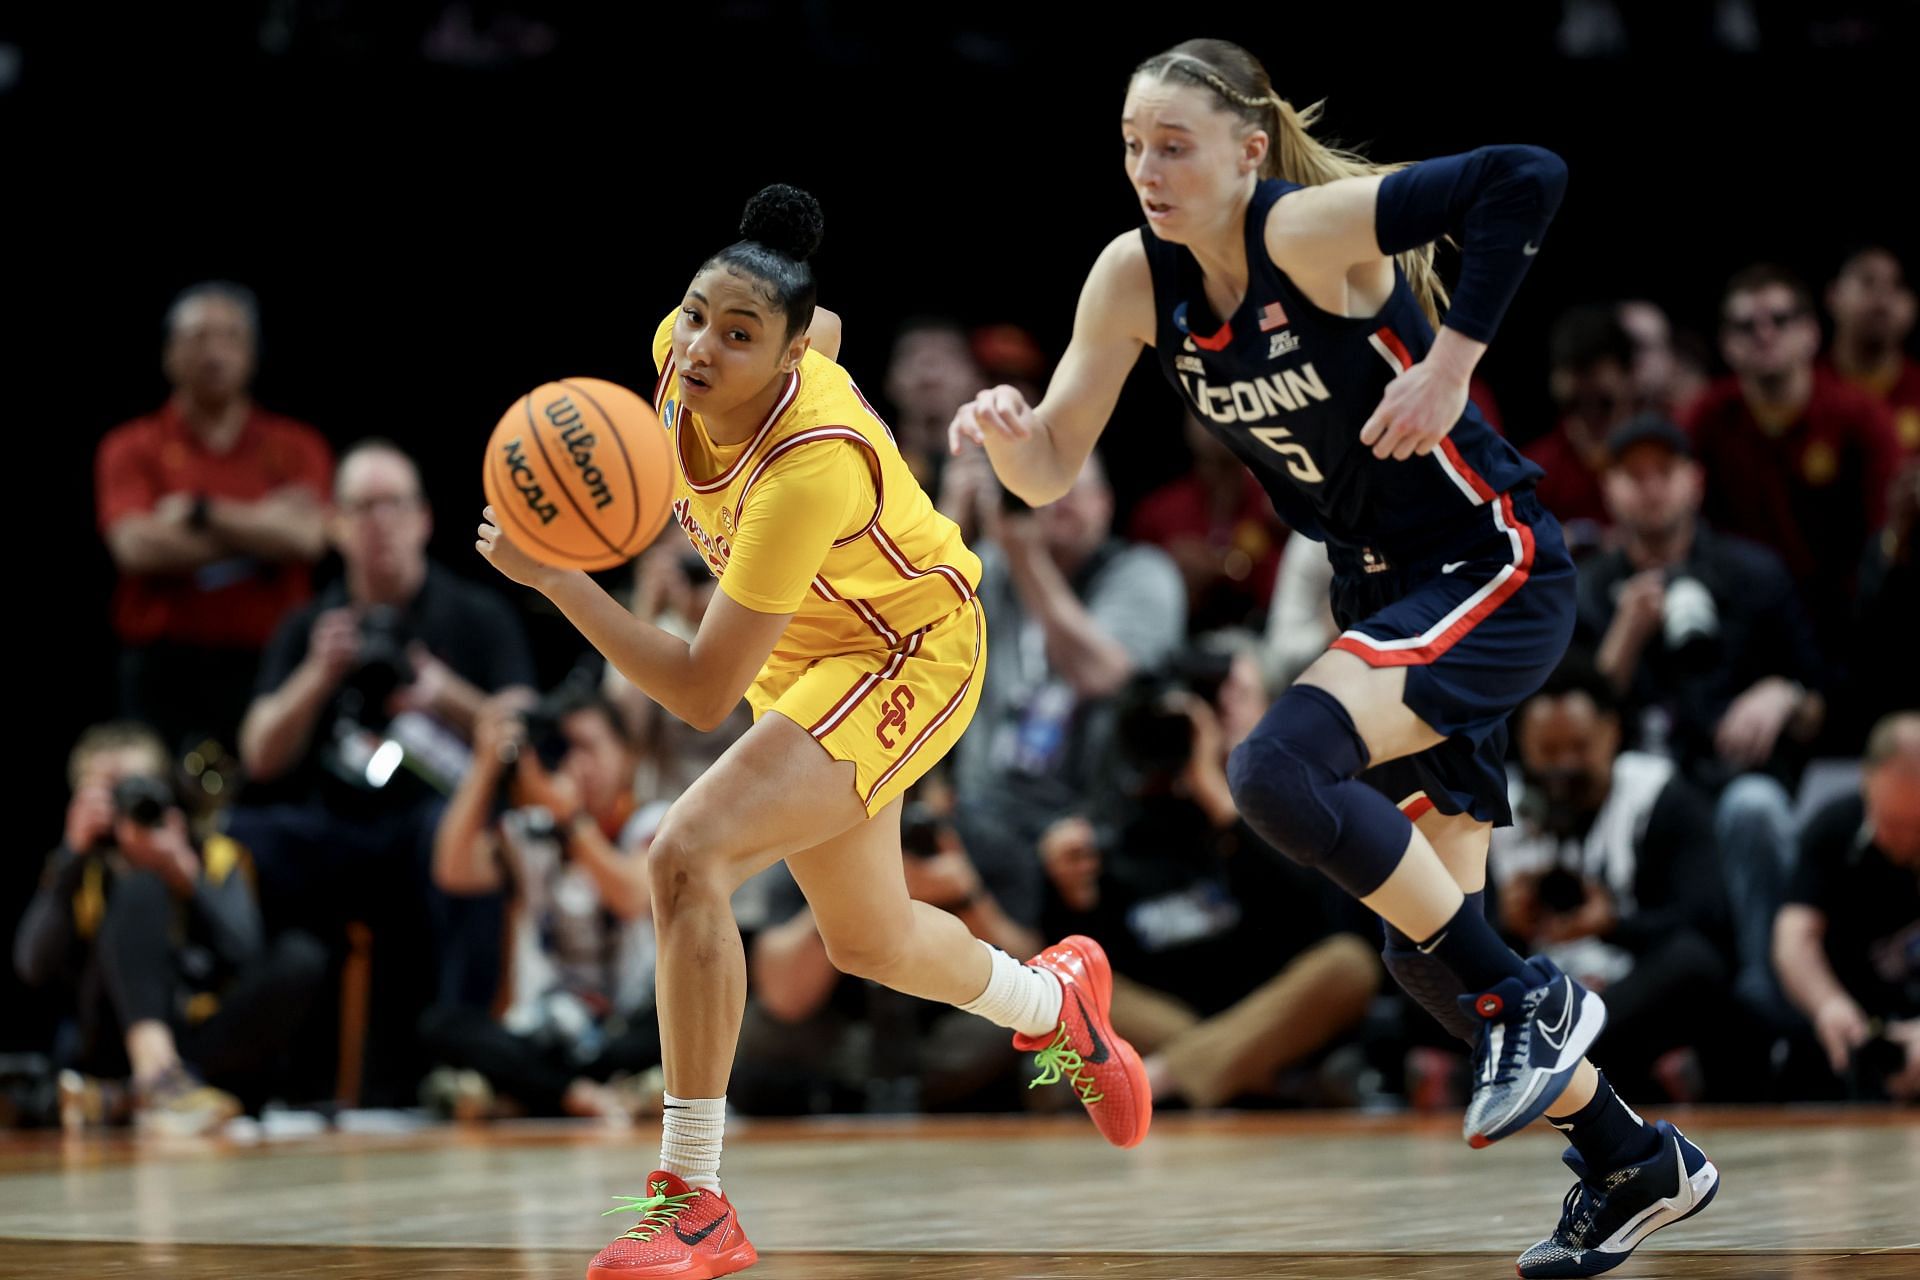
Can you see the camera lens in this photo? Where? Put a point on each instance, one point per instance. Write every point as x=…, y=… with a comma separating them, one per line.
x=142, y=801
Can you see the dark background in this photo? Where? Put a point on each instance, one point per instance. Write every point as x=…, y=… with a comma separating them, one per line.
x=435, y=223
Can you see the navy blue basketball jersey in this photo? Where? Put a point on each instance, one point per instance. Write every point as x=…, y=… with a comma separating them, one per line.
x=1287, y=387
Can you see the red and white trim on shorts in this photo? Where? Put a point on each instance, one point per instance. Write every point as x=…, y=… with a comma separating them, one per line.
x=946, y=712
x=866, y=684
x=1417, y=806
x=815, y=435
x=905, y=567
x=861, y=609
x=725, y=478
x=1413, y=651
x=1463, y=477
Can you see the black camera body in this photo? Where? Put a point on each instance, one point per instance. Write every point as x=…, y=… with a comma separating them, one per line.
x=540, y=734
x=1877, y=1060
x=921, y=829
x=142, y=800
x=1152, y=734
x=383, y=667
x=1560, y=890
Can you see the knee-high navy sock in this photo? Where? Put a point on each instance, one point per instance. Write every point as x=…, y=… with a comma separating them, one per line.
x=1430, y=982
x=1607, y=1133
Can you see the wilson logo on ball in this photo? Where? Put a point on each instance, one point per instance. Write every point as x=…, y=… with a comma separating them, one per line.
x=566, y=419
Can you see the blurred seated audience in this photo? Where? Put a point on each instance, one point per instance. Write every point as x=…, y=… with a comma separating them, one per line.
x=1847, y=942
x=1592, y=363
x=1873, y=308
x=1666, y=375
x=1231, y=963
x=1220, y=528
x=155, y=939
x=1610, y=870
x=359, y=728
x=1795, y=459
x=1703, y=638
x=547, y=816
x=1073, y=612
x=931, y=372
x=1881, y=673
x=1701, y=632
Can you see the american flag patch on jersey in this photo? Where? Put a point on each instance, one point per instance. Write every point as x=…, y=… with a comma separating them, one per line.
x=1271, y=317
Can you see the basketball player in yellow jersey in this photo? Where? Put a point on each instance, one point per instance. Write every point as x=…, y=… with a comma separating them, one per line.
x=846, y=615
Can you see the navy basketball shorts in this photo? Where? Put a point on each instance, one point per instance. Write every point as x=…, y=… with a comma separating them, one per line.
x=1479, y=623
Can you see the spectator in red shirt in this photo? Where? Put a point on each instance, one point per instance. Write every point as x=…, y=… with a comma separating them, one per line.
x=1665, y=377
x=1873, y=308
x=212, y=509
x=1795, y=458
x=1219, y=527
x=1592, y=383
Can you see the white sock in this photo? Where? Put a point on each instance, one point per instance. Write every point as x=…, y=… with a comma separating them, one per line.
x=1018, y=996
x=690, y=1140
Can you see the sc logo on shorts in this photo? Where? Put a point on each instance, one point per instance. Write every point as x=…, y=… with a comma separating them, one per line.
x=895, y=717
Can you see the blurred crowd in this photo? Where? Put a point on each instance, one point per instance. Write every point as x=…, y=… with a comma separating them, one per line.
x=341, y=849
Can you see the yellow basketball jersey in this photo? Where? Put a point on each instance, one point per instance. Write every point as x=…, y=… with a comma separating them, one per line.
x=895, y=567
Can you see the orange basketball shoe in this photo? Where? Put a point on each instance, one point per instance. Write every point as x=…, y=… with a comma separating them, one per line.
x=693, y=1235
x=1105, y=1071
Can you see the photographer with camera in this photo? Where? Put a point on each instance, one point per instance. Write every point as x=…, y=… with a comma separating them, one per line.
x=547, y=814
x=1610, y=869
x=158, y=940
x=384, y=669
x=1230, y=962
x=815, y=1039
x=1847, y=942
x=1072, y=613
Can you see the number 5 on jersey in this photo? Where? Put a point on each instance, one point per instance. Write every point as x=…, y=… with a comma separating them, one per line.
x=1298, y=462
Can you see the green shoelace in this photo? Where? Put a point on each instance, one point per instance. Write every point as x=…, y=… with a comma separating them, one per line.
x=656, y=1211
x=1057, y=1061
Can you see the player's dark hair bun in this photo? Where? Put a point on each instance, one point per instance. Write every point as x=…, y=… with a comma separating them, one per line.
x=786, y=220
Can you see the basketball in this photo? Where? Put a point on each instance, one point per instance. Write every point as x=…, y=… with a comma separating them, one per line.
x=578, y=473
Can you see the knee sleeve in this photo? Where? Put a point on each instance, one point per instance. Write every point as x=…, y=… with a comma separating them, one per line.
x=1292, y=780
x=1434, y=986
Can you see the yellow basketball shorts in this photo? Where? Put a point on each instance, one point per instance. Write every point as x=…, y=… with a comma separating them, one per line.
x=892, y=713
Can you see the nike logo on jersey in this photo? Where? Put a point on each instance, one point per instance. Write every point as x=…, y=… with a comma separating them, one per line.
x=1531, y=249
x=701, y=1234
x=1451, y=565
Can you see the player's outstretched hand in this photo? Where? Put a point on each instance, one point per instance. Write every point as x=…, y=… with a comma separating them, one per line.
x=507, y=558
x=1000, y=413
x=1419, y=408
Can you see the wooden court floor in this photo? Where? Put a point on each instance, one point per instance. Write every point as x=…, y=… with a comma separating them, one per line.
x=1810, y=1194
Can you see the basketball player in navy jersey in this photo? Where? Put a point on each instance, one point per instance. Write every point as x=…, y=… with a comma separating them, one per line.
x=1289, y=293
